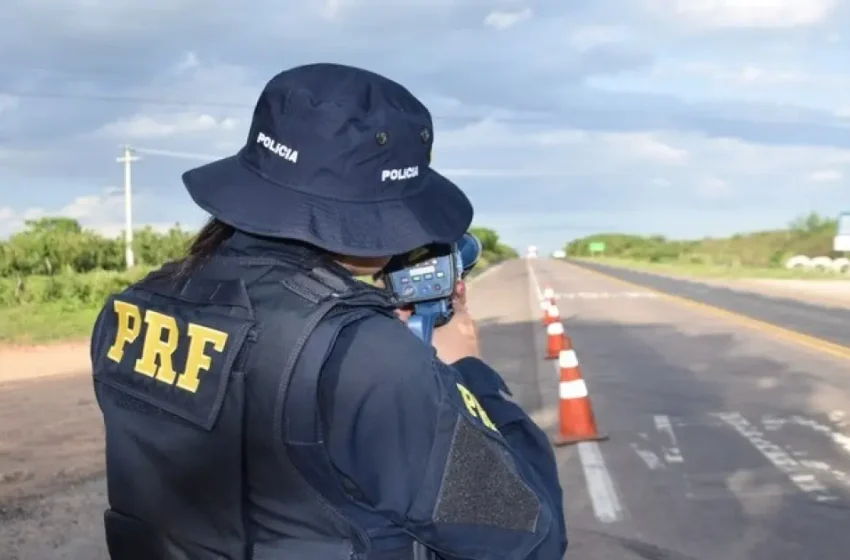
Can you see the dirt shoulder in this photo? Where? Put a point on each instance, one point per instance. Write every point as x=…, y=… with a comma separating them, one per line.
x=19, y=362
x=50, y=428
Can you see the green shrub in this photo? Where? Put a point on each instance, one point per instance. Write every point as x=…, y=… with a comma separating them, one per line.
x=74, y=289
x=809, y=235
x=56, y=262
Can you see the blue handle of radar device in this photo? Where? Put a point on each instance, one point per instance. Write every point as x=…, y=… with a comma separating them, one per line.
x=422, y=323
x=426, y=314
x=424, y=318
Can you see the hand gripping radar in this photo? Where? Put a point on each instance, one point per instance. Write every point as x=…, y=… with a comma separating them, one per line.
x=426, y=279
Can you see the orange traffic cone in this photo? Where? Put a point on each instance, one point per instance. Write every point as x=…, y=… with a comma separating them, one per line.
x=576, y=422
x=551, y=314
x=554, y=339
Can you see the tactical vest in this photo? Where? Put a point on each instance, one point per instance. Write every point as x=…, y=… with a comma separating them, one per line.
x=230, y=464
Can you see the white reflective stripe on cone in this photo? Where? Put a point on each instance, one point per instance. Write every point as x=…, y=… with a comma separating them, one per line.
x=555, y=329
x=572, y=389
x=567, y=359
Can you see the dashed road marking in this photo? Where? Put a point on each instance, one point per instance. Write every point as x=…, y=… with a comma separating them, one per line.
x=672, y=453
x=799, y=475
x=822, y=478
x=604, y=498
x=652, y=460
x=605, y=295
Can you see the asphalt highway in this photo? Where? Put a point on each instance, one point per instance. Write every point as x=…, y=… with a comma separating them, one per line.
x=726, y=441
x=825, y=322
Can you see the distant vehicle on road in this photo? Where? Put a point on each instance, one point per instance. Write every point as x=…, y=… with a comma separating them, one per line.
x=531, y=252
x=559, y=254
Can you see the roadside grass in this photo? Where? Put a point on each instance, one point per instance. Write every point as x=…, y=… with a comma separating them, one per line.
x=714, y=271
x=37, y=323
x=56, y=321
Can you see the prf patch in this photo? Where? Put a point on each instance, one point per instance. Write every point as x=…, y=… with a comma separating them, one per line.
x=176, y=359
x=474, y=407
x=160, y=343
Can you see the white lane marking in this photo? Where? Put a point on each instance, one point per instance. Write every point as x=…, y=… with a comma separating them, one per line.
x=796, y=473
x=600, y=487
x=672, y=453
x=605, y=295
x=603, y=495
x=839, y=417
x=772, y=423
x=651, y=459
x=534, y=283
x=839, y=439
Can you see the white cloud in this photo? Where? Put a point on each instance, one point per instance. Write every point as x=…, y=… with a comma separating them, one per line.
x=747, y=13
x=12, y=221
x=587, y=37
x=189, y=61
x=103, y=213
x=646, y=146
x=7, y=102
x=580, y=147
x=503, y=20
x=751, y=75
x=162, y=126
x=712, y=188
x=825, y=176
x=331, y=9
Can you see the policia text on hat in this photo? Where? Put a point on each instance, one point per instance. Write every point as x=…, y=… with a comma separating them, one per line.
x=260, y=403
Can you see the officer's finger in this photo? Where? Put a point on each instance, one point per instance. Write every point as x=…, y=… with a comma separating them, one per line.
x=460, y=294
x=460, y=291
x=459, y=299
x=403, y=314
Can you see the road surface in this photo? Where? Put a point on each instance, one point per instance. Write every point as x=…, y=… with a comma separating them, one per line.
x=822, y=321
x=725, y=442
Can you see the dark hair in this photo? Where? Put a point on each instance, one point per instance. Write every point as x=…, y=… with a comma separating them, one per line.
x=204, y=245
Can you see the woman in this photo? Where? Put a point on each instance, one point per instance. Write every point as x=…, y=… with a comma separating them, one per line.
x=259, y=402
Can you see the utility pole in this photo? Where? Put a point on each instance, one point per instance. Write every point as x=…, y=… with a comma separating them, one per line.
x=127, y=159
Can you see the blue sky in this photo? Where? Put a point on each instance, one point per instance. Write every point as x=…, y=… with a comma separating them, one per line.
x=559, y=118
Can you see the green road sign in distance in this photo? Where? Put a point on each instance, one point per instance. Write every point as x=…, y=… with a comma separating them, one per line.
x=596, y=247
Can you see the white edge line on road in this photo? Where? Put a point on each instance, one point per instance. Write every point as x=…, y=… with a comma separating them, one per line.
x=533, y=277
x=600, y=486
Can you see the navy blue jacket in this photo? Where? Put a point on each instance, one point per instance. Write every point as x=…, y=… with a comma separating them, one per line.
x=382, y=390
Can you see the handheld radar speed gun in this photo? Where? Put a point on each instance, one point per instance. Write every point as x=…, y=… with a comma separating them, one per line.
x=426, y=279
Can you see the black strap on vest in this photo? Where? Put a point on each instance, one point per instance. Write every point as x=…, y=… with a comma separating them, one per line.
x=301, y=429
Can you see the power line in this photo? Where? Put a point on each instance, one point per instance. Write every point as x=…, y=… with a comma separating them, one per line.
x=160, y=101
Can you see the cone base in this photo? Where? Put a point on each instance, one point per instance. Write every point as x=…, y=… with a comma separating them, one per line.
x=560, y=441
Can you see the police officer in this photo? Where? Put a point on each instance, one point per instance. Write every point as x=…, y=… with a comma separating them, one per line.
x=261, y=403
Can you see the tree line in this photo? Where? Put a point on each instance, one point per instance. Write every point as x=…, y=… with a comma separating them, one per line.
x=57, y=260
x=810, y=235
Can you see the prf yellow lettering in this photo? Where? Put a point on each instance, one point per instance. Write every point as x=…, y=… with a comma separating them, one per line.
x=161, y=339
x=474, y=407
x=196, y=359
x=129, y=326
x=160, y=342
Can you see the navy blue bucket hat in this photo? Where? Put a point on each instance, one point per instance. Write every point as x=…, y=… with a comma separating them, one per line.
x=338, y=157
